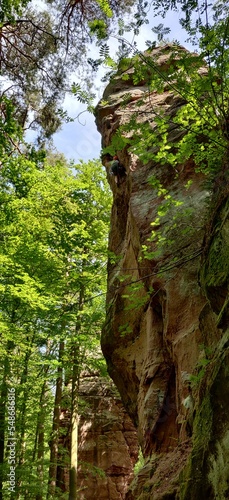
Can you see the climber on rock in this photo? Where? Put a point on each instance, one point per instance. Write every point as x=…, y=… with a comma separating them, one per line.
x=117, y=169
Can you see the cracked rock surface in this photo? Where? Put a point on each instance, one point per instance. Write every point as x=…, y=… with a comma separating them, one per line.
x=158, y=335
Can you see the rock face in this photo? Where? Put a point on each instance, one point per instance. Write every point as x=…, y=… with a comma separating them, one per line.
x=166, y=336
x=108, y=446
x=107, y=443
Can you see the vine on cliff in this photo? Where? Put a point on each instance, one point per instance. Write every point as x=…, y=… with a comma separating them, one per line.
x=199, y=80
x=196, y=126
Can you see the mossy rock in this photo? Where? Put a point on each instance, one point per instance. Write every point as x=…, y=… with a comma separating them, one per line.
x=216, y=269
x=207, y=472
x=214, y=274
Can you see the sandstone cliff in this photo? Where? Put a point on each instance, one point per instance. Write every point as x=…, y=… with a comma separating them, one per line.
x=108, y=447
x=166, y=336
x=107, y=442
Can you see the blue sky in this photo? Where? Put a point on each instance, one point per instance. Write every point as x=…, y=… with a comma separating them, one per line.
x=80, y=140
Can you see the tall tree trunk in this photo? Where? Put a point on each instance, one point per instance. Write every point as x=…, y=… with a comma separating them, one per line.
x=40, y=441
x=3, y=401
x=74, y=403
x=74, y=425
x=55, y=427
x=22, y=414
x=24, y=378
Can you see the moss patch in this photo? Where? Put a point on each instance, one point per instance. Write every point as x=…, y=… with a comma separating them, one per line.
x=193, y=478
x=219, y=468
x=215, y=271
x=207, y=472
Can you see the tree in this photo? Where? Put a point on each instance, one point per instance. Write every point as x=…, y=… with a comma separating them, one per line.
x=39, y=50
x=54, y=440
x=199, y=80
x=86, y=251
x=80, y=21
x=31, y=43
x=53, y=243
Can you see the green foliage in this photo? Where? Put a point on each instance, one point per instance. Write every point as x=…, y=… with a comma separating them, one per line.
x=201, y=369
x=53, y=221
x=139, y=464
x=30, y=61
x=160, y=31
x=10, y=130
x=41, y=47
x=88, y=468
x=113, y=258
x=11, y=8
x=98, y=28
x=125, y=329
x=54, y=225
x=105, y=7
x=136, y=295
x=198, y=118
x=201, y=366
x=199, y=81
x=83, y=96
x=169, y=206
x=119, y=142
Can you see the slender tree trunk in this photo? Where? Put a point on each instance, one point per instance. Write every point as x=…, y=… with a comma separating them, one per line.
x=23, y=381
x=74, y=425
x=22, y=417
x=3, y=401
x=55, y=427
x=40, y=441
x=74, y=403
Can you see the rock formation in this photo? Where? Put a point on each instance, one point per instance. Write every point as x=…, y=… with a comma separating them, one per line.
x=166, y=333
x=107, y=445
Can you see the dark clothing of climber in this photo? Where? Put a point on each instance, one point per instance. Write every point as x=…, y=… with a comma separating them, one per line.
x=117, y=170
x=115, y=167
